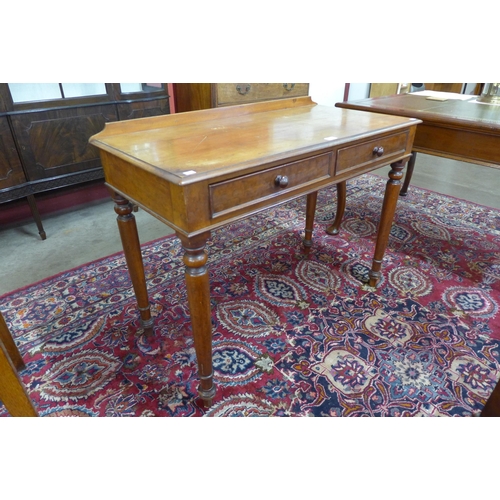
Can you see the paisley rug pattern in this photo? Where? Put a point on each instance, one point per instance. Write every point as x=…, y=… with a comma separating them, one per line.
x=294, y=334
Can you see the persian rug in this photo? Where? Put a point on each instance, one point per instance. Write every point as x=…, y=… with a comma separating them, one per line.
x=294, y=335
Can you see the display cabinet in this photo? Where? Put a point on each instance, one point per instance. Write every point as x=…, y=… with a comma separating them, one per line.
x=45, y=127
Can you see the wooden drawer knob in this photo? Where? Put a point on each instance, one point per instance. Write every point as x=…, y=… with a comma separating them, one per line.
x=281, y=181
x=378, y=151
x=243, y=89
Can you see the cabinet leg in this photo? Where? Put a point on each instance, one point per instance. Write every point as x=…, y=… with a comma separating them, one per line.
x=13, y=394
x=36, y=215
x=386, y=217
x=132, y=249
x=310, y=211
x=341, y=200
x=198, y=292
x=409, y=173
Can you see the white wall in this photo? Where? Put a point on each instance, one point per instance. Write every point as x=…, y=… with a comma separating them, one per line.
x=328, y=94
x=469, y=88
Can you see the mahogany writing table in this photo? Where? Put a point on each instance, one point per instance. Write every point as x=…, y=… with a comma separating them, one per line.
x=458, y=127
x=200, y=170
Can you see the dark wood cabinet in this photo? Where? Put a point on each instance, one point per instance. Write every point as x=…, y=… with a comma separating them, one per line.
x=44, y=142
x=11, y=170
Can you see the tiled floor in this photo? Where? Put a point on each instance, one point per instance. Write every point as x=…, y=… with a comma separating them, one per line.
x=89, y=232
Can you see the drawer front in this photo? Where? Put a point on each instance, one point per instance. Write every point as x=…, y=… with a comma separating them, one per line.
x=241, y=93
x=235, y=194
x=378, y=152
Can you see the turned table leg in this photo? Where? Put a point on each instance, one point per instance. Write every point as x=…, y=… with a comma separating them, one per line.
x=409, y=173
x=310, y=211
x=198, y=292
x=386, y=217
x=341, y=198
x=132, y=249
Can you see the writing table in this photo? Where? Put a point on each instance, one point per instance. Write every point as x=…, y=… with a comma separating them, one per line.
x=200, y=170
x=453, y=126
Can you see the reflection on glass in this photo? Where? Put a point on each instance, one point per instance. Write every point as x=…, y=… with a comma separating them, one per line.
x=131, y=87
x=140, y=87
x=83, y=89
x=24, y=92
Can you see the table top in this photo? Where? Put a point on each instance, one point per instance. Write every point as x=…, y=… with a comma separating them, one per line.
x=456, y=109
x=188, y=147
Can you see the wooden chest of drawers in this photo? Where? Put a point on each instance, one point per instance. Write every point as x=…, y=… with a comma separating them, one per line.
x=194, y=96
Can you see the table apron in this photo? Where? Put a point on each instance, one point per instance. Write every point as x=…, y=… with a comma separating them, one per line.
x=252, y=208
x=458, y=144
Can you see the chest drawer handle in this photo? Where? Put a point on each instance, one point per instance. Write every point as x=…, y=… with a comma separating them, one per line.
x=378, y=151
x=243, y=91
x=289, y=86
x=281, y=181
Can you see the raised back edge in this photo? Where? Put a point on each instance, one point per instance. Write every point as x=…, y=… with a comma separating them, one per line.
x=185, y=118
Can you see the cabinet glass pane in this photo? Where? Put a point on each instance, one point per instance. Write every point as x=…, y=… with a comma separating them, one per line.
x=83, y=89
x=131, y=87
x=24, y=92
x=140, y=87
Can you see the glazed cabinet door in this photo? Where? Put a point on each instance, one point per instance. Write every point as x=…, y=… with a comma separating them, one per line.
x=141, y=100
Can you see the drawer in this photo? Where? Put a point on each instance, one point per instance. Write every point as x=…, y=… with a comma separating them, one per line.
x=378, y=152
x=241, y=93
x=234, y=194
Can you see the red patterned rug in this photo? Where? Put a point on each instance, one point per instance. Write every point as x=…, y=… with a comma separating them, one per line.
x=293, y=336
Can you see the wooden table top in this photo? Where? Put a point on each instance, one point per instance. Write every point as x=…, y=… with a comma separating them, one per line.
x=456, y=110
x=188, y=147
